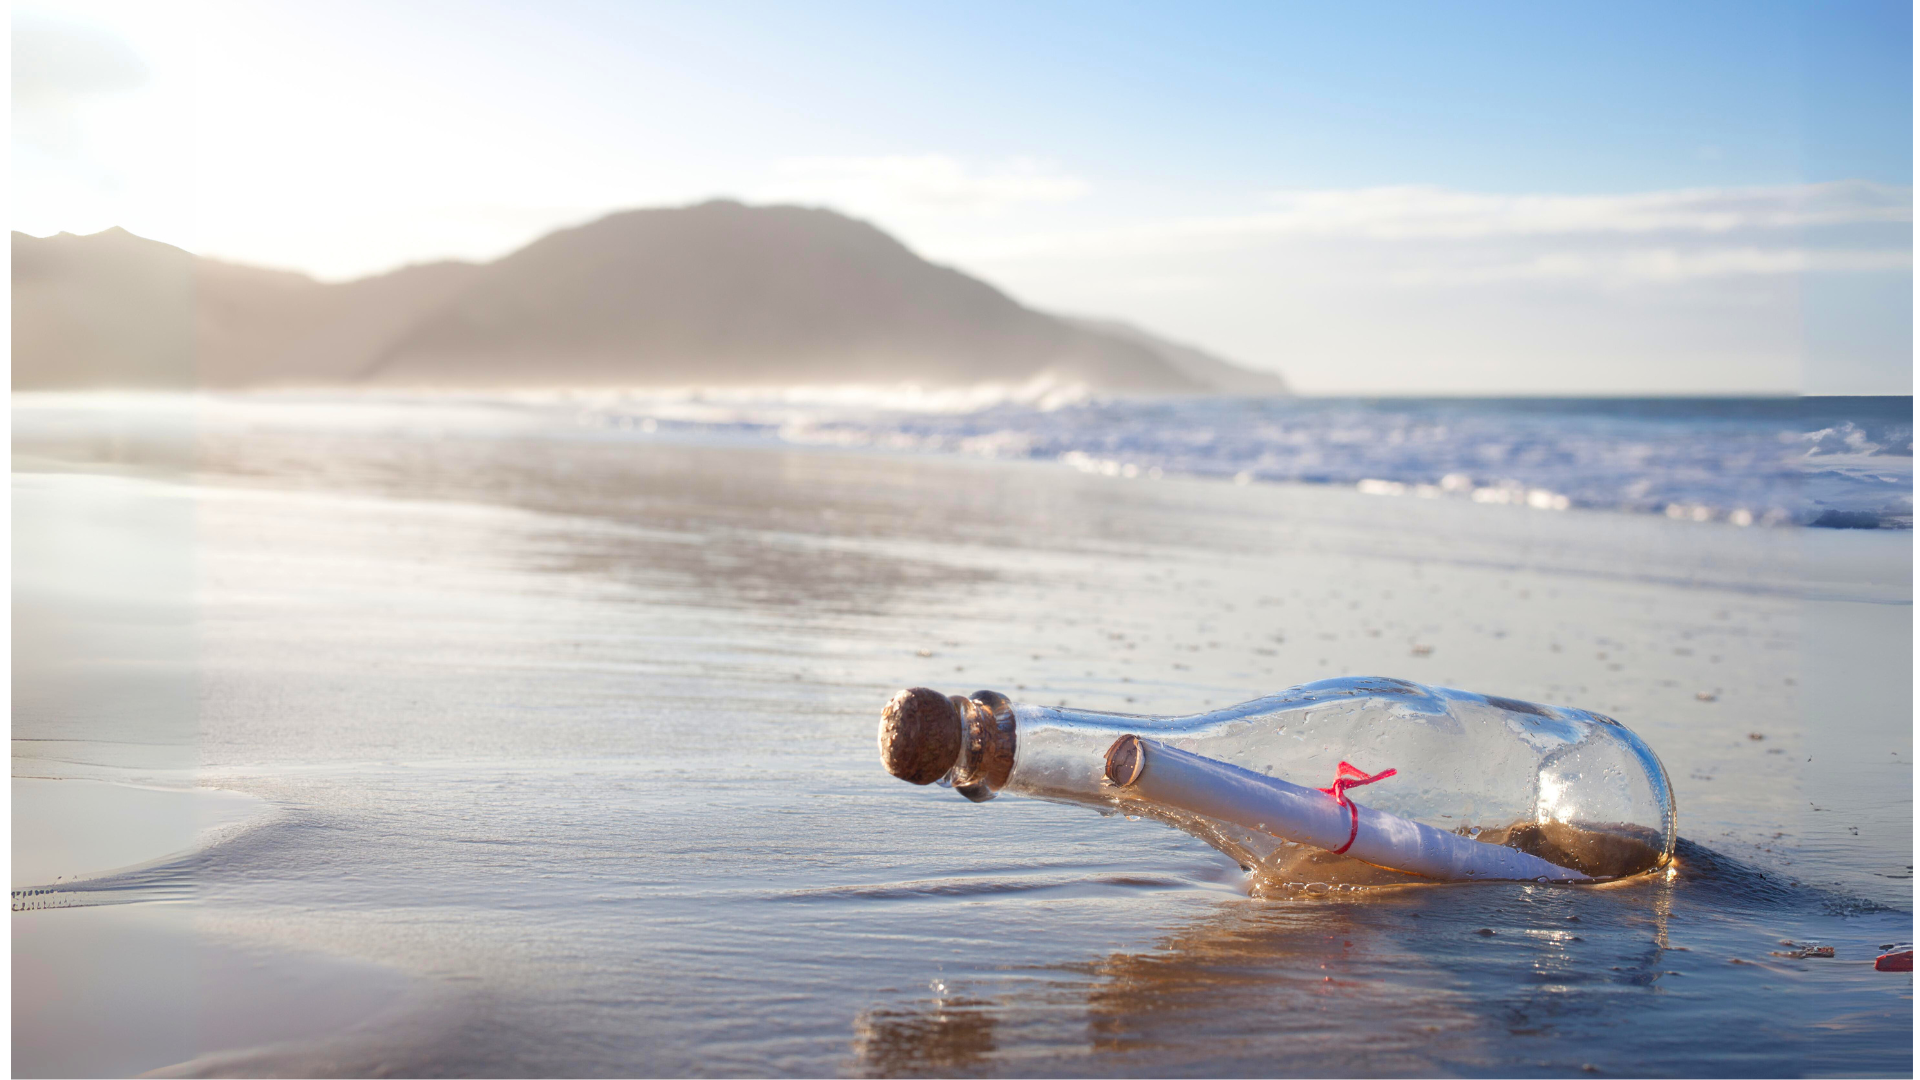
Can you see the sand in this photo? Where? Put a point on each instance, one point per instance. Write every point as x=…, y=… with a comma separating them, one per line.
x=65, y=830
x=568, y=745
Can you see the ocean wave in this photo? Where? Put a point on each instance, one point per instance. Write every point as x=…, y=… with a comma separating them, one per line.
x=1743, y=462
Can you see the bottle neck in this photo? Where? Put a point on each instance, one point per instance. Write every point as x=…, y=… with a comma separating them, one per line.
x=1061, y=752
x=988, y=741
x=1054, y=752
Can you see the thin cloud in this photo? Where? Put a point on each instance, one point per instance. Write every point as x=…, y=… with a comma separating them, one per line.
x=1421, y=213
x=923, y=182
x=1661, y=265
x=1427, y=235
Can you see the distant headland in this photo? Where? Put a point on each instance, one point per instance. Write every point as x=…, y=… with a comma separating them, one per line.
x=717, y=294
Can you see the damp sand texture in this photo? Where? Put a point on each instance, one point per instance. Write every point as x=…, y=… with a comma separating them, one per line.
x=565, y=752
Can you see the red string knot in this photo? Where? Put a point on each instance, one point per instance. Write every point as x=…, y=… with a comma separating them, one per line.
x=1352, y=777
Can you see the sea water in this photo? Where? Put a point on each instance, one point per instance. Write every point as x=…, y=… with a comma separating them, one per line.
x=569, y=724
x=1828, y=462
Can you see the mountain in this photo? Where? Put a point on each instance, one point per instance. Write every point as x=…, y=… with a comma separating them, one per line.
x=116, y=310
x=718, y=293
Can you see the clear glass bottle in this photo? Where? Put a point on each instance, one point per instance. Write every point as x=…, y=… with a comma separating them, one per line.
x=1566, y=785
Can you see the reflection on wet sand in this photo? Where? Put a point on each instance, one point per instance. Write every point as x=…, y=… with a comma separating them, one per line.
x=1404, y=957
x=1183, y=1005
x=737, y=528
x=952, y=1036
x=1293, y=965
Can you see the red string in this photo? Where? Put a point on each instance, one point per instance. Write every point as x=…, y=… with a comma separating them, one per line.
x=1351, y=777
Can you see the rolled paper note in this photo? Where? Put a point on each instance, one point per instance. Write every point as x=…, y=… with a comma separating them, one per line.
x=1156, y=773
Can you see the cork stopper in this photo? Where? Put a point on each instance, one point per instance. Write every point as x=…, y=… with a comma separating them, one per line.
x=1125, y=760
x=920, y=735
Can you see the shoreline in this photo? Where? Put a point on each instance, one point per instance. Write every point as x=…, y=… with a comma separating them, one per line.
x=992, y=422
x=68, y=830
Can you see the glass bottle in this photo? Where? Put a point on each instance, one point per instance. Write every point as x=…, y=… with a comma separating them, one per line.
x=1571, y=787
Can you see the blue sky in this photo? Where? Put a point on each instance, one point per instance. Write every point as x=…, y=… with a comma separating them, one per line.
x=1491, y=97
x=1417, y=197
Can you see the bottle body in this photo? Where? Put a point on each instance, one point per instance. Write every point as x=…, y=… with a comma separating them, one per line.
x=1569, y=786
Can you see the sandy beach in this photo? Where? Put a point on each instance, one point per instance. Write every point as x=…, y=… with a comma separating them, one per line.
x=562, y=751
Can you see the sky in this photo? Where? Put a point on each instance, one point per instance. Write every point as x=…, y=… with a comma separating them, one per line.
x=1454, y=198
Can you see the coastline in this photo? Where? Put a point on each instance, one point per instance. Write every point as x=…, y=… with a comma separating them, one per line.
x=1825, y=462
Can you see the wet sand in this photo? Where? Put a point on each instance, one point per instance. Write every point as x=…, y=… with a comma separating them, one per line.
x=65, y=830
x=123, y=989
x=569, y=748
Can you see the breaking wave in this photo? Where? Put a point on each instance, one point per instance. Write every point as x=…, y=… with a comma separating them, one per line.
x=1822, y=462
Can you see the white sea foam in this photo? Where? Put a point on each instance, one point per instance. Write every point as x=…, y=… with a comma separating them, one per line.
x=1742, y=462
